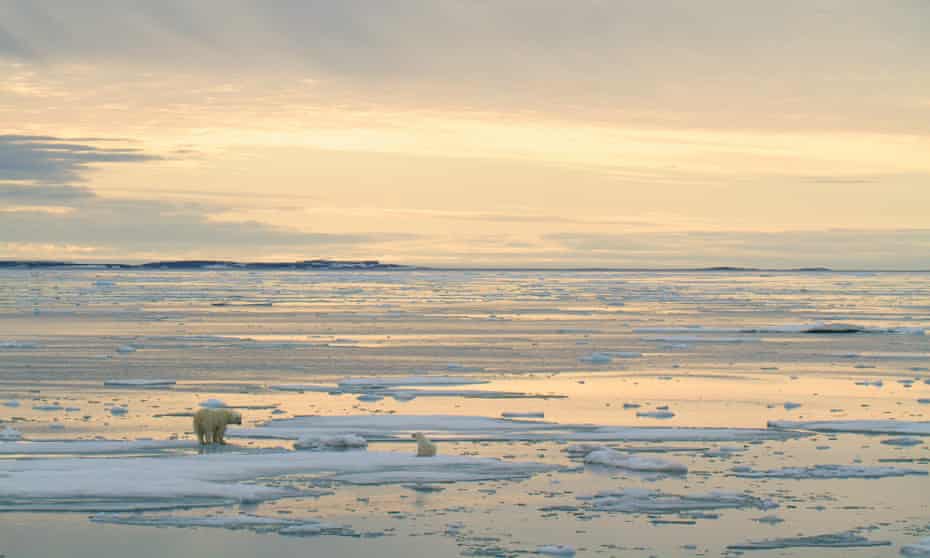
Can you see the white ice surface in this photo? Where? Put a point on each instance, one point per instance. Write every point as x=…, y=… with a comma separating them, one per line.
x=475, y=428
x=111, y=484
x=10, y=435
x=556, y=550
x=612, y=458
x=831, y=472
x=337, y=442
x=92, y=447
x=920, y=549
x=139, y=383
x=406, y=381
x=856, y=426
x=639, y=500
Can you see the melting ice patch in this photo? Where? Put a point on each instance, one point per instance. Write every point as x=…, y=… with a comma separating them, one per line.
x=612, y=458
x=138, y=383
x=856, y=426
x=93, y=447
x=920, y=549
x=833, y=540
x=639, y=500
x=476, y=428
x=141, y=483
x=338, y=442
x=830, y=472
x=257, y=523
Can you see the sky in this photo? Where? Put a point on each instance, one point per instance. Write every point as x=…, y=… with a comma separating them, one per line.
x=543, y=133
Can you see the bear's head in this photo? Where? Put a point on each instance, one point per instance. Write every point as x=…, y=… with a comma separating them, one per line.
x=232, y=417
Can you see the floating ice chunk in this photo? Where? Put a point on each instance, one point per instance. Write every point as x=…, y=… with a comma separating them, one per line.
x=769, y=519
x=125, y=349
x=528, y=414
x=613, y=458
x=370, y=397
x=343, y=442
x=856, y=426
x=138, y=383
x=10, y=435
x=791, y=405
x=830, y=472
x=11, y=403
x=18, y=345
x=301, y=527
x=903, y=441
x=656, y=414
x=924, y=401
x=920, y=549
x=93, y=447
x=395, y=427
x=114, y=483
x=403, y=381
x=835, y=540
x=54, y=407
x=118, y=410
x=556, y=550
x=873, y=383
x=597, y=358
x=403, y=396
x=638, y=500
x=631, y=405
x=213, y=403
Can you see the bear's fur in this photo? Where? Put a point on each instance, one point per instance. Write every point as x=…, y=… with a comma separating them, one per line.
x=210, y=424
x=425, y=448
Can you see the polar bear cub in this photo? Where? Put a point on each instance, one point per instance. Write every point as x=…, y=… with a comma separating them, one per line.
x=210, y=424
x=425, y=448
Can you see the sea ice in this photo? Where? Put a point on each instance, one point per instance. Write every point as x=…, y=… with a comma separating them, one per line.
x=10, y=435
x=93, y=447
x=830, y=472
x=856, y=426
x=338, y=442
x=656, y=414
x=639, y=500
x=612, y=458
x=833, y=540
x=556, y=550
x=528, y=414
x=396, y=427
x=138, y=383
x=920, y=549
x=116, y=483
x=213, y=403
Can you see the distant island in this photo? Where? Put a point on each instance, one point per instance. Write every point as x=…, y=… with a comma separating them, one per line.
x=207, y=265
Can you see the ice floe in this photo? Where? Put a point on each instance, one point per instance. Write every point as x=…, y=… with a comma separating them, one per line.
x=406, y=381
x=527, y=414
x=141, y=483
x=856, y=426
x=399, y=427
x=10, y=435
x=139, y=383
x=18, y=345
x=612, y=458
x=833, y=540
x=257, y=523
x=338, y=442
x=640, y=500
x=556, y=550
x=814, y=328
x=920, y=549
x=92, y=447
x=830, y=472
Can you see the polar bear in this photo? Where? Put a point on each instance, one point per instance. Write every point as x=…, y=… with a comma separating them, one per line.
x=210, y=424
x=425, y=448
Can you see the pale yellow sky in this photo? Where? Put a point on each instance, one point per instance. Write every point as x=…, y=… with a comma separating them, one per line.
x=597, y=133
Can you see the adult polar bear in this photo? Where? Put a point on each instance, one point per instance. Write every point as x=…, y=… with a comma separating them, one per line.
x=210, y=424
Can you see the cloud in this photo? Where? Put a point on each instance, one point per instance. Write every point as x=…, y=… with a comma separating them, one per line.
x=49, y=159
x=11, y=194
x=31, y=167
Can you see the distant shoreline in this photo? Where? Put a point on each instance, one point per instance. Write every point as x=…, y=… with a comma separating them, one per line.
x=374, y=265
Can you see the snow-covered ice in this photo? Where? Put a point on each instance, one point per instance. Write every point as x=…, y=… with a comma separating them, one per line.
x=612, y=458
x=831, y=472
x=640, y=500
x=856, y=426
